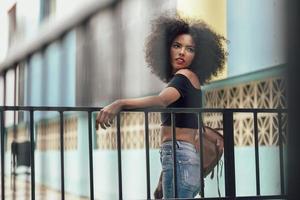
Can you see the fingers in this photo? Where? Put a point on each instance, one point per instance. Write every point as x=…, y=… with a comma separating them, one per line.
x=104, y=119
x=98, y=120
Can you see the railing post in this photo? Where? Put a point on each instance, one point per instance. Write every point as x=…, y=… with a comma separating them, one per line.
x=91, y=155
x=201, y=127
x=256, y=145
x=32, y=145
x=147, y=155
x=62, y=66
x=173, y=123
x=280, y=140
x=62, y=167
x=230, y=190
x=2, y=155
x=119, y=156
x=2, y=138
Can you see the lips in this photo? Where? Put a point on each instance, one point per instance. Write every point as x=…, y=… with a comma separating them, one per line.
x=180, y=60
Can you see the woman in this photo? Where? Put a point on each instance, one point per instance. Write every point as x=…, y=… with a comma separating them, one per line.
x=184, y=54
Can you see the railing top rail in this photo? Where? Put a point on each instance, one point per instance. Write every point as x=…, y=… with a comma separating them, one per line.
x=50, y=34
x=154, y=109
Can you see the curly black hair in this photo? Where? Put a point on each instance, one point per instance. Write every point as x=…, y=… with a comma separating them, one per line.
x=210, y=55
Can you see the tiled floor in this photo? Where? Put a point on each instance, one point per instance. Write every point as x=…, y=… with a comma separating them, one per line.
x=23, y=191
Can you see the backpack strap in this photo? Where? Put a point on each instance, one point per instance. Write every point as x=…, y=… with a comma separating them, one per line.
x=218, y=184
x=221, y=163
x=212, y=174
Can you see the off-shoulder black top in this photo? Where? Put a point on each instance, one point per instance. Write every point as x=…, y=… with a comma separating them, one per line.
x=190, y=97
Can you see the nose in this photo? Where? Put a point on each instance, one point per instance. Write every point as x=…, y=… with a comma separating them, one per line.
x=181, y=51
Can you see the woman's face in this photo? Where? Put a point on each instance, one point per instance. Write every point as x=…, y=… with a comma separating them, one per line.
x=182, y=52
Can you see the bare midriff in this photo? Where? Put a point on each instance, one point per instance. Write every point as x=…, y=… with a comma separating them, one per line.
x=183, y=134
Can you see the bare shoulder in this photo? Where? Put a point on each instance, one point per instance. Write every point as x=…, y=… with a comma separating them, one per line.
x=191, y=76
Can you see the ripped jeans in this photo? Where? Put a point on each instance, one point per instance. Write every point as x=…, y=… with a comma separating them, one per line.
x=187, y=168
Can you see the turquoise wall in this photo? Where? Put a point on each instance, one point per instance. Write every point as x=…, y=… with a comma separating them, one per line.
x=49, y=82
x=134, y=170
x=256, y=31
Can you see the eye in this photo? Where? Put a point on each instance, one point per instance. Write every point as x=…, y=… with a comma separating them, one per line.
x=176, y=46
x=191, y=49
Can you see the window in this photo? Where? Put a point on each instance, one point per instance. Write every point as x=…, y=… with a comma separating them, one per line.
x=12, y=24
x=47, y=9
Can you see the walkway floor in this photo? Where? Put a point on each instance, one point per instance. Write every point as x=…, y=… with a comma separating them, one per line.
x=23, y=192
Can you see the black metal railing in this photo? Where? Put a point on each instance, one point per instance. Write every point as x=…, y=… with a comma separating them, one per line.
x=228, y=132
x=21, y=56
x=57, y=33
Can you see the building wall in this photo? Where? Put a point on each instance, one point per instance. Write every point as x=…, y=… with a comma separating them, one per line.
x=50, y=76
x=256, y=31
x=134, y=172
x=48, y=83
x=27, y=22
x=116, y=68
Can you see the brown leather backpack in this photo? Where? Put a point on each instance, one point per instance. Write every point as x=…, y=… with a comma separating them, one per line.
x=213, y=144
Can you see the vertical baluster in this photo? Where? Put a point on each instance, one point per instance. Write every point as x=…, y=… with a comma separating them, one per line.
x=62, y=78
x=32, y=145
x=91, y=155
x=257, y=171
x=62, y=167
x=14, y=120
x=2, y=139
x=119, y=156
x=230, y=189
x=174, y=154
x=2, y=154
x=201, y=127
x=147, y=155
x=281, y=152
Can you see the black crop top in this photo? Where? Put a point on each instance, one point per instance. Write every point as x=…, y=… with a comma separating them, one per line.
x=190, y=97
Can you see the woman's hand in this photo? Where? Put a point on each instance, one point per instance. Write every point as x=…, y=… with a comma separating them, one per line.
x=107, y=114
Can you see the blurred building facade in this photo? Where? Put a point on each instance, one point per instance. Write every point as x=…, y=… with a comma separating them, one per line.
x=104, y=61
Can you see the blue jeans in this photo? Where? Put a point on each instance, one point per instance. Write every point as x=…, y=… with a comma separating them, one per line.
x=187, y=168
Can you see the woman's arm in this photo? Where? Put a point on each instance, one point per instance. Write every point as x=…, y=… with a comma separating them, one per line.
x=107, y=114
